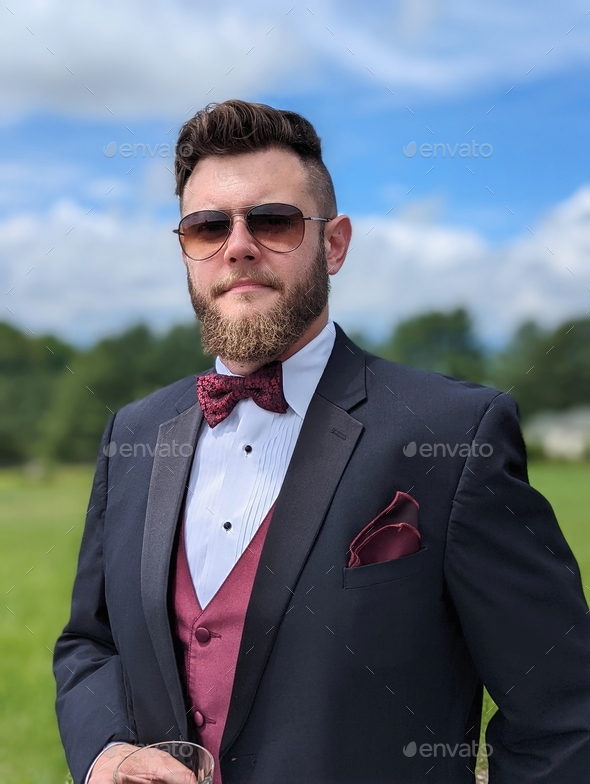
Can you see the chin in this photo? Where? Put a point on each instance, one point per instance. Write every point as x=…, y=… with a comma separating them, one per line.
x=241, y=311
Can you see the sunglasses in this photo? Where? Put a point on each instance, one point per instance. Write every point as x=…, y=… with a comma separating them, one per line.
x=277, y=227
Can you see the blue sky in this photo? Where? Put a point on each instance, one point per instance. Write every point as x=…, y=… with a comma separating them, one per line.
x=85, y=239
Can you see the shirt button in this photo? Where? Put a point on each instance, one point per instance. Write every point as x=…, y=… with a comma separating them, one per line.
x=199, y=719
x=202, y=634
x=247, y=448
x=227, y=525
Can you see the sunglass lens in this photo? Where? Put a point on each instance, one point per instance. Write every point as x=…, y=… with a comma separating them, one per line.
x=203, y=233
x=278, y=227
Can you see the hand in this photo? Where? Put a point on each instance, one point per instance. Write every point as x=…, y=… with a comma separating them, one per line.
x=150, y=766
x=106, y=763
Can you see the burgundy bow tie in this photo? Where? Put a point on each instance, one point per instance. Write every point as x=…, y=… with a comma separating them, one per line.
x=219, y=393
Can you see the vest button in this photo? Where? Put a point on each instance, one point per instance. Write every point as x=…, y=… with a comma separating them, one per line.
x=202, y=634
x=199, y=719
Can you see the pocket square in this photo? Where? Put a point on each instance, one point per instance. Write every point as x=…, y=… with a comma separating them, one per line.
x=392, y=534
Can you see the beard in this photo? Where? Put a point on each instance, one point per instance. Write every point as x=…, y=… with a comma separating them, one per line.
x=259, y=336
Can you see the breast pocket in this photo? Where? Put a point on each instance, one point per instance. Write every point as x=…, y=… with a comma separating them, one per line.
x=384, y=572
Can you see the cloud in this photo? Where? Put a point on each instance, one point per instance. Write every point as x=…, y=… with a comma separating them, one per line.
x=405, y=266
x=139, y=58
x=84, y=275
x=436, y=48
x=149, y=59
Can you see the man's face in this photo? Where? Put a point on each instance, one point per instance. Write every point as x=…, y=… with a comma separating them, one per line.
x=254, y=303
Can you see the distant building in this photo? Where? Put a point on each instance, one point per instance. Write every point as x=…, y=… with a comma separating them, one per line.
x=560, y=434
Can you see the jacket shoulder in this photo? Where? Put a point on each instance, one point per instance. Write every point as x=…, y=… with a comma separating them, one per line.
x=432, y=390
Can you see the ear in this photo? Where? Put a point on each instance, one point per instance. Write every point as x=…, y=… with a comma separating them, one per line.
x=337, y=236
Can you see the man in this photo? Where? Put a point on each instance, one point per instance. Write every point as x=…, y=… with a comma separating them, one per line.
x=279, y=573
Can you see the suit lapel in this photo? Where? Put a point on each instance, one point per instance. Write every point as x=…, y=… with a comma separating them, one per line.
x=327, y=439
x=172, y=461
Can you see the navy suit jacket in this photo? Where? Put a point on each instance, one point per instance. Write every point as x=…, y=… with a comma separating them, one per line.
x=344, y=675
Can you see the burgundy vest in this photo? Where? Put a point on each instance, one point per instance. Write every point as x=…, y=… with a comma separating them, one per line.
x=210, y=638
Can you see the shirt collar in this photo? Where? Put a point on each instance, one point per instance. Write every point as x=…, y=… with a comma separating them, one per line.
x=303, y=370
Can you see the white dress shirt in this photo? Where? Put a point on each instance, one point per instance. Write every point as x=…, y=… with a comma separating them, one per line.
x=229, y=483
x=239, y=467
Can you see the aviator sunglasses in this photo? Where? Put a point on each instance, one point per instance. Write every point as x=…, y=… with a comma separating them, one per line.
x=277, y=227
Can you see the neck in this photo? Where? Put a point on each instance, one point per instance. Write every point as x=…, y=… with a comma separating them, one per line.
x=314, y=329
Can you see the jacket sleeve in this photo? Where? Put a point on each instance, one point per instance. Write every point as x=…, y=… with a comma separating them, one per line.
x=517, y=590
x=91, y=705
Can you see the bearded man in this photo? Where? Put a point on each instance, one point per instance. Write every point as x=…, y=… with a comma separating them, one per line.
x=281, y=578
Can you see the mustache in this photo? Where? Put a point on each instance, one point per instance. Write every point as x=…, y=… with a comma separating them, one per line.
x=266, y=277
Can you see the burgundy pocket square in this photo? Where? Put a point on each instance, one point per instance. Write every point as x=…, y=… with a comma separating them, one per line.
x=392, y=534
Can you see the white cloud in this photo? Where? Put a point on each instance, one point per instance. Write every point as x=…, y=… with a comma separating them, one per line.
x=147, y=59
x=113, y=270
x=139, y=58
x=404, y=267
x=106, y=273
x=437, y=47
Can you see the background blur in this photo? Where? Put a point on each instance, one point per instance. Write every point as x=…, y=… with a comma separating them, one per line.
x=457, y=135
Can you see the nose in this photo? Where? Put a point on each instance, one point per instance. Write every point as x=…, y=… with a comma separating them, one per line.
x=240, y=243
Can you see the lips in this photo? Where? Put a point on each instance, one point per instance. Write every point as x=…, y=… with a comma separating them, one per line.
x=247, y=283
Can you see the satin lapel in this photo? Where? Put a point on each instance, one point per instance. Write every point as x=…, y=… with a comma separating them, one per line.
x=172, y=461
x=327, y=439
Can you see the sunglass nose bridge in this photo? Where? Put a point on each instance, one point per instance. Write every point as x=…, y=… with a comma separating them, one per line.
x=231, y=227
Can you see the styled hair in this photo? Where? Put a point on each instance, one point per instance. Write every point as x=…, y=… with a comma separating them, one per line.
x=234, y=127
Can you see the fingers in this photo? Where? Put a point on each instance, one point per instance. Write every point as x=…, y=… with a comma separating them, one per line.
x=160, y=768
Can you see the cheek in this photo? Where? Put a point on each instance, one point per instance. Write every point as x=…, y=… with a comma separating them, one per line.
x=195, y=271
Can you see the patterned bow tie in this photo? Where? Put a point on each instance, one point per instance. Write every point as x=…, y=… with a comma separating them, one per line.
x=219, y=393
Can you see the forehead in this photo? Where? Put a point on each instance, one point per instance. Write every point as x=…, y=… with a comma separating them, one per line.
x=225, y=181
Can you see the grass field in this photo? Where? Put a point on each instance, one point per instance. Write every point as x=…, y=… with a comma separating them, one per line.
x=40, y=529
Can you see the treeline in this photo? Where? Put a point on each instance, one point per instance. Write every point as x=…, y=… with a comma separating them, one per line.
x=55, y=399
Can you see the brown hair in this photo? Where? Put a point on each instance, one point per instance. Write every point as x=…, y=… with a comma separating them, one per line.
x=234, y=127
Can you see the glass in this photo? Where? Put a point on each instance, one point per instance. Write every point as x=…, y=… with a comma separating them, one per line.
x=278, y=227
x=187, y=762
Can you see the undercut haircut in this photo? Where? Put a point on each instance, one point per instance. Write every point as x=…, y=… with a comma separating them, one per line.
x=235, y=127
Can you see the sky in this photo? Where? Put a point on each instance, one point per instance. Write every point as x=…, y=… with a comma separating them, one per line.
x=457, y=134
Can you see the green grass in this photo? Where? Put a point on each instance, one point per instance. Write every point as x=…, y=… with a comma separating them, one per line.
x=567, y=487
x=40, y=530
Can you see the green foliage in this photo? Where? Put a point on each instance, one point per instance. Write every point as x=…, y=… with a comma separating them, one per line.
x=55, y=400
x=29, y=367
x=176, y=355
x=443, y=342
x=547, y=369
x=104, y=379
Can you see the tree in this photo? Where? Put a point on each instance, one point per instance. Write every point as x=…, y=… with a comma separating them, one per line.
x=547, y=370
x=113, y=373
x=443, y=342
x=28, y=369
